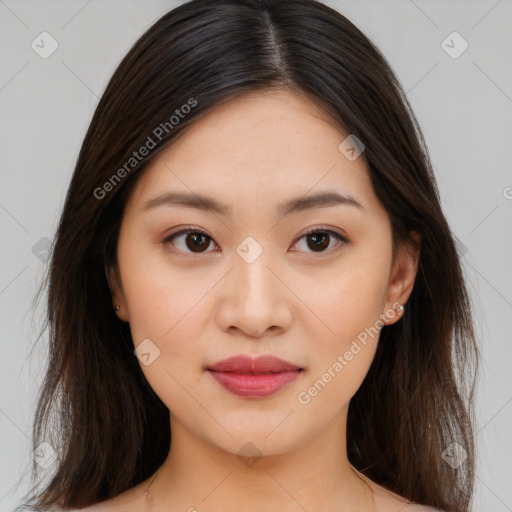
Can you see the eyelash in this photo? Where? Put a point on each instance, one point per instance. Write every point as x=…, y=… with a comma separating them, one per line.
x=318, y=229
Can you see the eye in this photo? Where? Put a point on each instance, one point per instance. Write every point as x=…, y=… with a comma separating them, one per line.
x=318, y=239
x=195, y=241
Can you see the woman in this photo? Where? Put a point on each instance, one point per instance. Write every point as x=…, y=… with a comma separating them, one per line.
x=255, y=301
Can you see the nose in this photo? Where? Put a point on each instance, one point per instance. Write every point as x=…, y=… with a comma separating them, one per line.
x=254, y=300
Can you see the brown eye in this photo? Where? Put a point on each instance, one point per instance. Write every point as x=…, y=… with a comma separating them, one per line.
x=318, y=240
x=190, y=241
x=197, y=242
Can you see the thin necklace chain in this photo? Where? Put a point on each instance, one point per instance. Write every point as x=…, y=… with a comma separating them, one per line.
x=146, y=492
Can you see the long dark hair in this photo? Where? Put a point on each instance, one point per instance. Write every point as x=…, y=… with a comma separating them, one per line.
x=96, y=409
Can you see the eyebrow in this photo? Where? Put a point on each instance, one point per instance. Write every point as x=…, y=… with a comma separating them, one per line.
x=297, y=204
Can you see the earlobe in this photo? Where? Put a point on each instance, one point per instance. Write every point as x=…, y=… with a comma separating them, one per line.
x=119, y=304
x=402, y=279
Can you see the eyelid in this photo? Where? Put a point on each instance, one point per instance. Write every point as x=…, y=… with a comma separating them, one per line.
x=185, y=230
x=322, y=229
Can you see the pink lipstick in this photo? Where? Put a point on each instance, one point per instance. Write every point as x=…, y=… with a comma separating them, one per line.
x=263, y=376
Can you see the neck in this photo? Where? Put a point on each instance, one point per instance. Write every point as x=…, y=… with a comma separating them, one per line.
x=314, y=476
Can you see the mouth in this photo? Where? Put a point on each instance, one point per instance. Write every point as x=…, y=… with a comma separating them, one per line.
x=262, y=376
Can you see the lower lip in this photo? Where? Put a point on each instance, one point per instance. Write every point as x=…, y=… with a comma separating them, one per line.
x=245, y=384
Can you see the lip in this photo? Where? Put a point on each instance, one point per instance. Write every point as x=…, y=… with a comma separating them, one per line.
x=254, y=377
x=247, y=364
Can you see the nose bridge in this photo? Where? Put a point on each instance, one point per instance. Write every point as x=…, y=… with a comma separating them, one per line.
x=255, y=282
x=256, y=295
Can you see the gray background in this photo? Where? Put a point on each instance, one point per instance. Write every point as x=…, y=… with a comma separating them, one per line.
x=464, y=106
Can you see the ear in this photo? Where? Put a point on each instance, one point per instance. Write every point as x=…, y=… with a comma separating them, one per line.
x=118, y=298
x=401, y=281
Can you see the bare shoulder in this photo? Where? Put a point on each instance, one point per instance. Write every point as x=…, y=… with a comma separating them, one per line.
x=396, y=503
x=131, y=500
x=388, y=501
x=399, y=504
x=415, y=507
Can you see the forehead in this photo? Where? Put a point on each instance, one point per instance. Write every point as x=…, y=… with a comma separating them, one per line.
x=265, y=146
x=267, y=125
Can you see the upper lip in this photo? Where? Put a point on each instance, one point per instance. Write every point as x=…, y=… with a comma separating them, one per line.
x=246, y=364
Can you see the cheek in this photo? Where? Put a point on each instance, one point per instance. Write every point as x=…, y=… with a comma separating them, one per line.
x=339, y=363
x=347, y=299
x=348, y=305
x=166, y=308
x=160, y=298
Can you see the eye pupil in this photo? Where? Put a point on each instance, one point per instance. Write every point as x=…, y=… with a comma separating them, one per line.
x=321, y=241
x=193, y=243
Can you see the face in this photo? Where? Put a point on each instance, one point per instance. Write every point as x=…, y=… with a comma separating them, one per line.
x=199, y=284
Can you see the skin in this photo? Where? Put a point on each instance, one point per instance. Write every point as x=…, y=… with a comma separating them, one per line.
x=304, y=306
